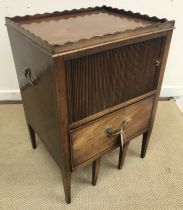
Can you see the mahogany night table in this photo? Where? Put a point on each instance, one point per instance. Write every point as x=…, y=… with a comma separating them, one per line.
x=90, y=80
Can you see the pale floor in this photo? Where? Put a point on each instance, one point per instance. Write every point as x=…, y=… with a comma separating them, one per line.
x=31, y=179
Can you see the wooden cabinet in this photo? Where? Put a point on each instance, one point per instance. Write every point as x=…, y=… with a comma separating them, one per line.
x=82, y=74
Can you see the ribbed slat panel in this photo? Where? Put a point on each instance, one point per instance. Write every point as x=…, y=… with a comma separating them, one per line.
x=99, y=81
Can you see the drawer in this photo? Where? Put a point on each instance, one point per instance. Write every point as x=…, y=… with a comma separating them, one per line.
x=91, y=140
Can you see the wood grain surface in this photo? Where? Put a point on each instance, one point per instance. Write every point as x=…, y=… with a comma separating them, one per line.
x=73, y=27
x=108, y=78
x=92, y=139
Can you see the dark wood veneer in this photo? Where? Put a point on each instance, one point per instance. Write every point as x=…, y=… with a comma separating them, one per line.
x=83, y=78
x=90, y=140
x=103, y=80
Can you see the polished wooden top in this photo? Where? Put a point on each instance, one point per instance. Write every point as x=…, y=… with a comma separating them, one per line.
x=74, y=27
x=79, y=29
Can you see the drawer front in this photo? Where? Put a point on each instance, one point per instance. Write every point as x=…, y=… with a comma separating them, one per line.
x=92, y=139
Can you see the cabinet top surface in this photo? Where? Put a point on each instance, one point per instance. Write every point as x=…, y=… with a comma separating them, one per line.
x=68, y=27
x=73, y=27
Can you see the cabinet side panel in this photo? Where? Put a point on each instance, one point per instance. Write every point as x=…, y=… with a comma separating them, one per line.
x=39, y=100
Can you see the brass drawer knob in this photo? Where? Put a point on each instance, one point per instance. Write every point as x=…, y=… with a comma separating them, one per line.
x=158, y=63
x=119, y=130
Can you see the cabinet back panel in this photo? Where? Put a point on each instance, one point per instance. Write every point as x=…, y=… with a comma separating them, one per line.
x=99, y=81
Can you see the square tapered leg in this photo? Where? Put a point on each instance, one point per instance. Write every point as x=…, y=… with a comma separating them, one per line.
x=145, y=142
x=32, y=136
x=122, y=155
x=95, y=170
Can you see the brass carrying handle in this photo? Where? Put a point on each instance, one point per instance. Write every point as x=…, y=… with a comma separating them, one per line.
x=31, y=78
x=116, y=132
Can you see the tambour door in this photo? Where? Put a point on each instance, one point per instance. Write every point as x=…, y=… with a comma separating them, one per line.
x=99, y=81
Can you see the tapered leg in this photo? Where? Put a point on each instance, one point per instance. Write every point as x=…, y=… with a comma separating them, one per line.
x=67, y=187
x=145, y=142
x=95, y=170
x=32, y=136
x=122, y=155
